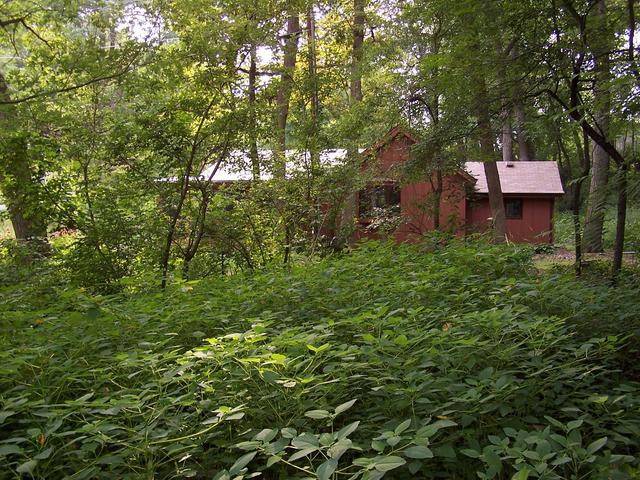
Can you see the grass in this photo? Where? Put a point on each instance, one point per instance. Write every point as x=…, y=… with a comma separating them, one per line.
x=458, y=363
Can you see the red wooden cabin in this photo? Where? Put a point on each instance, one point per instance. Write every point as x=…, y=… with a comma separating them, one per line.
x=529, y=190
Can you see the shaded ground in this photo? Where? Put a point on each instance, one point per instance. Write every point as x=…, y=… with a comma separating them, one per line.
x=563, y=256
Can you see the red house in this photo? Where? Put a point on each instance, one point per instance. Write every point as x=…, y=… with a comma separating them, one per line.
x=529, y=190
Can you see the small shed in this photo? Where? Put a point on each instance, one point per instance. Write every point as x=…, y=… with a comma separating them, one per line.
x=529, y=190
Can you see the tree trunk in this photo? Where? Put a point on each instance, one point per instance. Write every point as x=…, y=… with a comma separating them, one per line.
x=620, y=222
x=525, y=149
x=594, y=220
x=356, y=55
x=437, y=199
x=585, y=163
x=311, y=42
x=20, y=187
x=282, y=99
x=487, y=149
x=507, y=139
x=184, y=190
x=350, y=211
x=284, y=91
x=253, y=126
x=312, y=142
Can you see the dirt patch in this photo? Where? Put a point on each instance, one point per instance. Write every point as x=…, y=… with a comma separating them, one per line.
x=564, y=256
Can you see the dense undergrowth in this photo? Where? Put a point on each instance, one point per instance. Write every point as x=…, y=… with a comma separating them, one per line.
x=564, y=229
x=389, y=361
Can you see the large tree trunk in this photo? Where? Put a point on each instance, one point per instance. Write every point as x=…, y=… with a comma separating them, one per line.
x=315, y=103
x=20, y=186
x=525, y=149
x=507, y=138
x=312, y=142
x=284, y=91
x=585, y=163
x=356, y=50
x=621, y=219
x=282, y=99
x=311, y=42
x=253, y=124
x=349, y=211
x=487, y=150
x=594, y=221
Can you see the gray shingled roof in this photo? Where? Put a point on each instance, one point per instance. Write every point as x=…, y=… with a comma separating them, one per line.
x=542, y=178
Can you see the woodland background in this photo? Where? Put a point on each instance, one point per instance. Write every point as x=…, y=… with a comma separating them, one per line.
x=153, y=327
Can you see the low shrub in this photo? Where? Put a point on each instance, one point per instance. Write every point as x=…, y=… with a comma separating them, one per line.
x=388, y=361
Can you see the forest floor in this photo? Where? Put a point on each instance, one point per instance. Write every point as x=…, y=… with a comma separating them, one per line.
x=563, y=257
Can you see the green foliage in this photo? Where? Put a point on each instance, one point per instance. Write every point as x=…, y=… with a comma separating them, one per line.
x=564, y=236
x=389, y=361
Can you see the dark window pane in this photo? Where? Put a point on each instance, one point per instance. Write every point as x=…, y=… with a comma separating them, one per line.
x=377, y=197
x=379, y=200
x=364, y=204
x=393, y=195
x=513, y=207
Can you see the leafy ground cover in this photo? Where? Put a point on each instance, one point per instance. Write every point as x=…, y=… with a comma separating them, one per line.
x=391, y=361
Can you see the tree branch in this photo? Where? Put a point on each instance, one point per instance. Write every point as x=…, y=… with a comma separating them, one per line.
x=46, y=93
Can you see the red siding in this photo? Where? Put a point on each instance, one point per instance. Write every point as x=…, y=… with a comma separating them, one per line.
x=417, y=210
x=415, y=197
x=535, y=226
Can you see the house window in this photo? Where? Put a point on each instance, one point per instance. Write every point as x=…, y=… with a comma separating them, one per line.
x=378, y=197
x=513, y=208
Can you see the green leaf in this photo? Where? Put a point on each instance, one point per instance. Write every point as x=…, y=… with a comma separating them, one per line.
x=242, y=462
x=402, y=427
x=394, y=440
x=288, y=432
x=339, y=448
x=386, y=464
x=554, y=422
x=521, y=475
x=317, y=414
x=44, y=454
x=302, y=453
x=252, y=445
x=445, y=451
x=492, y=459
x=266, y=435
x=27, y=467
x=418, y=452
x=9, y=450
x=326, y=439
x=574, y=424
x=344, y=432
x=345, y=406
x=234, y=416
x=223, y=475
x=306, y=440
x=470, y=453
x=326, y=469
x=596, y=445
x=4, y=414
